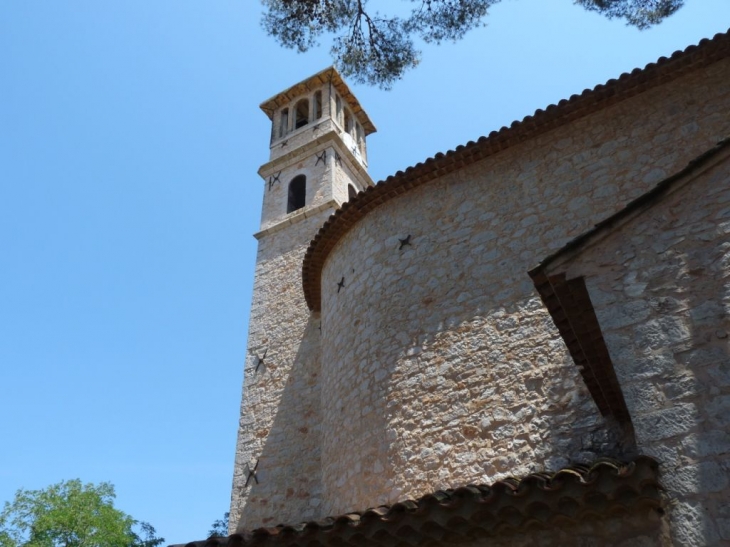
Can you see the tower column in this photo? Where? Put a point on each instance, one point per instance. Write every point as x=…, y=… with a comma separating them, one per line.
x=278, y=465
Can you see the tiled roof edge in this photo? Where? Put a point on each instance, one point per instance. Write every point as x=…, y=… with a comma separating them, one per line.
x=607, y=479
x=589, y=101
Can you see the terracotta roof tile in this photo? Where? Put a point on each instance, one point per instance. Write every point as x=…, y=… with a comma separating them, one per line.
x=568, y=110
x=541, y=500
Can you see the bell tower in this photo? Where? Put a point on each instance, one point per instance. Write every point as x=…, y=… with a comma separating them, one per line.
x=318, y=160
x=318, y=134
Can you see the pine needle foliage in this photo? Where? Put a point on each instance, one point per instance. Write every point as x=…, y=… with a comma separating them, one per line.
x=378, y=49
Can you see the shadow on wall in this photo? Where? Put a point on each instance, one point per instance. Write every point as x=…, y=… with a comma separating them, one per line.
x=516, y=405
x=433, y=397
x=663, y=303
x=698, y=387
x=681, y=410
x=292, y=443
x=447, y=368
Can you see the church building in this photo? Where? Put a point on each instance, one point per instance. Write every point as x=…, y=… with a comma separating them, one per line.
x=522, y=341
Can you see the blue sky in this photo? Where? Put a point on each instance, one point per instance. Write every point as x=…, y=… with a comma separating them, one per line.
x=130, y=137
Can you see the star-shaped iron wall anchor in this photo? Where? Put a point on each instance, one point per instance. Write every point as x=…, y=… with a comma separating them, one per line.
x=404, y=242
x=338, y=159
x=321, y=157
x=251, y=473
x=260, y=360
x=341, y=284
x=274, y=179
x=283, y=144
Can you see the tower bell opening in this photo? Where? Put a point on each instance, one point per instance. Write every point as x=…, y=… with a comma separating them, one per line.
x=297, y=193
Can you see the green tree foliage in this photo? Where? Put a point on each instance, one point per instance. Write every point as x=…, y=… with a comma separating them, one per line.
x=378, y=48
x=71, y=514
x=220, y=527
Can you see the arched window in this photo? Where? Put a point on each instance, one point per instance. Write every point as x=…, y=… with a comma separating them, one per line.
x=302, y=113
x=360, y=137
x=284, y=122
x=317, y=105
x=348, y=122
x=338, y=109
x=297, y=193
x=351, y=192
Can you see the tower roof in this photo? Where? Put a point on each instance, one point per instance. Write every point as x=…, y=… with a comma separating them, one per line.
x=328, y=75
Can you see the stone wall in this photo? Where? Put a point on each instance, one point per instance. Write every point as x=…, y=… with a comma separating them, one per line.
x=276, y=185
x=660, y=287
x=280, y=411
x=294, y=138
x=280, y=417
x=440, y=365
x=281, y=145
x=328, y=169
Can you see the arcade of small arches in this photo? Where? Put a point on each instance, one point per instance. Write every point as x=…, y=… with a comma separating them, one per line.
x=344, y=118
x=307, y=110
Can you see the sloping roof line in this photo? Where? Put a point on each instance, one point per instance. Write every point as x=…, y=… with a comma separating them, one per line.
x=646, y=199
x=569, y=303
x=539, y=501
x=708, y=51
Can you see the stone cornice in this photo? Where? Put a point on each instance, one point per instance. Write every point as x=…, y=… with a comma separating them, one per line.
x=330, y=138
x=297, y=217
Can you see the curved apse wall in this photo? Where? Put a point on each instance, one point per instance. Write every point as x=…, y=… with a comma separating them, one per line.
x=440, y=366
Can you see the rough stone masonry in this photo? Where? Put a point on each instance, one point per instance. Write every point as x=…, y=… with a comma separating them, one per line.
x=397, y=345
